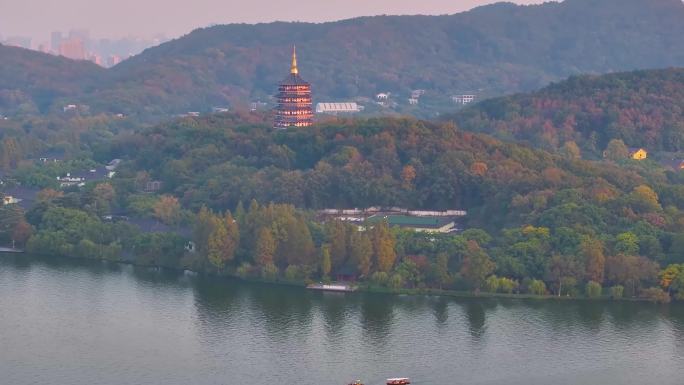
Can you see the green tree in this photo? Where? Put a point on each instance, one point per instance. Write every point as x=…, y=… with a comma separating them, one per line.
x=442, y=269
x=326, y=262
x=593, y=289
x=295, y=245
x=337, y=238
x=202, y=229
x=507, y=285
x=627, y=243
x=215, y=246
x=537, y=287
x=617, y=291
x=476, y=266
x=492, y=284
x=616, y=150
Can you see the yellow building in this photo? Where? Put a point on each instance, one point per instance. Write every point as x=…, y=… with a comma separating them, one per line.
x=638, y=153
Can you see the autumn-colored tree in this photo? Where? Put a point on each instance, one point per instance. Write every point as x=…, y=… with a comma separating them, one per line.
x=265, y=248
x=383, y=246
x=48, y=195
x=630, y=270
x=361, y=250
x=564, y=271
x=167, y=209
x=223, y=241
x=644, y=199
x=476, y=266
x=552, y=176
x=22, y=232
x=670, y=274
x=479, y=168
x=103, y=194
x=9, y=153
x=337, y=235
x=408, y=175
x=594, y=259
x=570, y=150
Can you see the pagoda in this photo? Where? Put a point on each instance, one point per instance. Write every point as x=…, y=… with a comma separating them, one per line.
x=294, y=100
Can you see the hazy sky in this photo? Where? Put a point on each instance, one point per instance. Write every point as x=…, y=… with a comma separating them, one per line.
x=118, y=18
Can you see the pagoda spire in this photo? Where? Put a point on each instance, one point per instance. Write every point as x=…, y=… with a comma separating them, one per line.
x=293, y=69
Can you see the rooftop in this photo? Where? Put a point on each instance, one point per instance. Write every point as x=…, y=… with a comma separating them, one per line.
x=411, y=221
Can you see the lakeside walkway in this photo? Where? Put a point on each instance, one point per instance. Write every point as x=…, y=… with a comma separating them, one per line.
x=10, y=250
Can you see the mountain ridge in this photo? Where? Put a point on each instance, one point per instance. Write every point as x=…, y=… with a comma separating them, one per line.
x=490, y=50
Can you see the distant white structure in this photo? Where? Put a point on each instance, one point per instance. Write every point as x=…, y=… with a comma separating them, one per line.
x=113, y=164
x=338, y=108
x=415, y=94
x=413, y=101
x=10, y=200
x=258, y=105
x=68, y=180
x=463, y=99
x=382, y=96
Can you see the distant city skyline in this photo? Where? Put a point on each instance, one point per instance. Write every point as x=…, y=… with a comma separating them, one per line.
x=37, y=19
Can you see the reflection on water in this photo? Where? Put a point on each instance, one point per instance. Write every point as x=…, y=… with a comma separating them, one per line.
x=475, y=313
x=66, y=321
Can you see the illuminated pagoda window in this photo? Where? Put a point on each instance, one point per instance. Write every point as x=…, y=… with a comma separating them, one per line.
x=294, y=100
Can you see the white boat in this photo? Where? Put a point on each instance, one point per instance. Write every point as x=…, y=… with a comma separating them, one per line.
x=343, y=287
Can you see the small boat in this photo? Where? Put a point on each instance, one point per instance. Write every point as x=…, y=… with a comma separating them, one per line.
x=357, y=382
x=341, y=287
x=398, y=381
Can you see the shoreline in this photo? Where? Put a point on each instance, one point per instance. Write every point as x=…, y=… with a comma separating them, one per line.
x=360, y=288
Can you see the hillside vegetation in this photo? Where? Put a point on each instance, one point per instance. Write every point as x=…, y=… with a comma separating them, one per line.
x=642, y=108
x=536, y=220
x=490, y=50
x=30, y=81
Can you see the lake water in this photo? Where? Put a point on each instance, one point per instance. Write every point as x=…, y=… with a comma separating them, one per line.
x=75, y=322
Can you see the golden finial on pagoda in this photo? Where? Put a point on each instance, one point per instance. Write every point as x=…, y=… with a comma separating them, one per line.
x=293, y=69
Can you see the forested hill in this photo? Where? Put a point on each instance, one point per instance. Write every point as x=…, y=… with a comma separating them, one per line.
x=490, y=50
x=642, y=108
x=221, y=160
x=31, y=81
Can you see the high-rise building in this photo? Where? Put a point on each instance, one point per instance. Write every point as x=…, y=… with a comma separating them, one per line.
x=55, y=41
x=113, y=60
x=294, y=100
x=72, y=48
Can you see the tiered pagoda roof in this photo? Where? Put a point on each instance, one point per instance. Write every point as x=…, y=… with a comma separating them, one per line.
x=294, y=100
